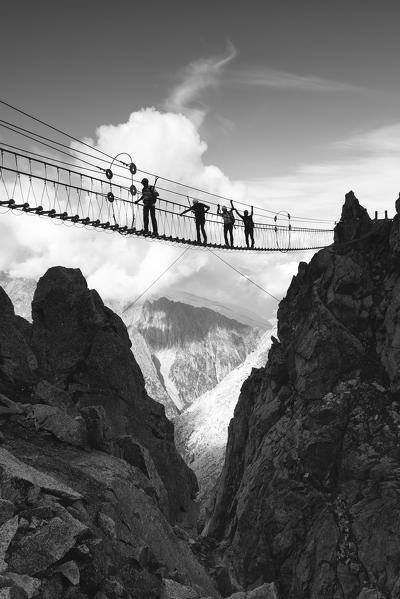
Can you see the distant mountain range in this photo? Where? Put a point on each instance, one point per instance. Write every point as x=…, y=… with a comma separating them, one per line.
x=193, y=348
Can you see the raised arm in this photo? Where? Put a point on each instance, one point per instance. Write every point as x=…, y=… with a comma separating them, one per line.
x=251, y=213
x=219, y=209
x=237, y=211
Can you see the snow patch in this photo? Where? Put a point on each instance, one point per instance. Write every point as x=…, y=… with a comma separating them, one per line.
x=167, y=358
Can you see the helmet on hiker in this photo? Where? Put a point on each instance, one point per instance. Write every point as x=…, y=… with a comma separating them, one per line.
x=223, y=208
x=195, y=201
x=144, y=181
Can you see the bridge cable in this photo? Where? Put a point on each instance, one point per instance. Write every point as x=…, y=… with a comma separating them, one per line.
x=55, y=129
x=84, y=168
x=156, y=279
x=48, y=145
x=243, y=275
x=52, y=159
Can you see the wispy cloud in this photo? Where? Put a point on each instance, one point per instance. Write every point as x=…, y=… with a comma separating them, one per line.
x=198, y=76
x=382, y=140
x=187, y=97
x=267, y=77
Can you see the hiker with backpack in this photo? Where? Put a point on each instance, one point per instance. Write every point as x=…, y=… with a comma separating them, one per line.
x=229, y=222
x=199, y=210
x=149, y=197
x=248, y=224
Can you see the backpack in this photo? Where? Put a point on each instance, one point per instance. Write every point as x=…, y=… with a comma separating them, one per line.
x=154, y=193
x=150, y=196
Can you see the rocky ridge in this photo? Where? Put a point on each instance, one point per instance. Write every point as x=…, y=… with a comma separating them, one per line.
x=309, y=493
x=95, y=501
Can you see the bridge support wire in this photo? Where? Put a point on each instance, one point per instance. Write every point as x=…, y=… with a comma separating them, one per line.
x=244, y=276
x=164, y=272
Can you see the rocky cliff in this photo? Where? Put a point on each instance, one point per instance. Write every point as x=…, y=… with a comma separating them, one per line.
x=93, y=493
x=195, y=347
x=310, y=491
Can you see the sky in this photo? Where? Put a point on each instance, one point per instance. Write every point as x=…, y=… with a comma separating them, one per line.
x=285, y=105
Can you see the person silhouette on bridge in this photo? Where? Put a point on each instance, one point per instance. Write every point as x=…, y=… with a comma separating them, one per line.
x=248, y=224
x=149, y=197
x=229, y=222
x=199, y=210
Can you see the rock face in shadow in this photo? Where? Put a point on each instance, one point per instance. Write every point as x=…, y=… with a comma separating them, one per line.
x=309, y=494
x=84, y=348
x=92, y=489
x=18, y=363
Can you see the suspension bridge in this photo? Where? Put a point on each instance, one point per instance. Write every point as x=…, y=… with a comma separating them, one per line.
x=46, y=189
x=91, y=189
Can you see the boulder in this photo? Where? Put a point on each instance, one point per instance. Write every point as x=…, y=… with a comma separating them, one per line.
x=107, y=525
x=13, y=471
x=266, y=591
x=7, y=533
x=29, y=585
x=70, y=571
x=98, y=430
x=8, y=407
x=70, y=429
x=370, y=594
x=174, y=590
x=34, y=553
x=46, y=393
x=6, y=510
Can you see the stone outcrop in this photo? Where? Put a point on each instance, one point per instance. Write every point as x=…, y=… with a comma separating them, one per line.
x=309, y=494
x=83, y=348
x=18, y=363
x=91, y=484
x=354, y=223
